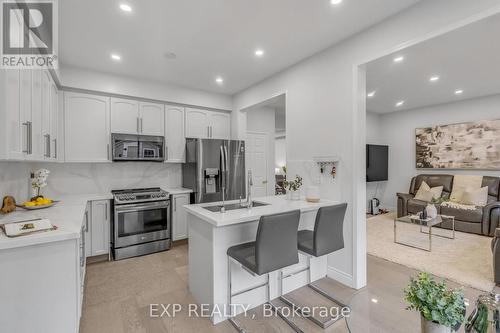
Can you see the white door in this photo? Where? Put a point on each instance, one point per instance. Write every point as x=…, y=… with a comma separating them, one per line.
x=175, y=140
x=100, y=227
x=152, y=119
x=256, y=156
x=179, y=216
x=125, y=116
x=220, y=125
x=197, y=125
x=87, y=133
x=46, y=139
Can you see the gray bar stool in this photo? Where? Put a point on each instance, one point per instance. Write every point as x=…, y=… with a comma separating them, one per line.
x=275, y=247
x=327, y=237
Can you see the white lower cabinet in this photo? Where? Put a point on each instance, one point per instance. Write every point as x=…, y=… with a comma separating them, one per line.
x=100, y=227
x=179, y=216
x=97, y=228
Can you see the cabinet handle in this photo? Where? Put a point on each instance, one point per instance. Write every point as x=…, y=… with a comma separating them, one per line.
x=86, y=221
x=208, y=131
x=211, y=132
x=47, y=145
x=27, y=150
x=137, y=125
x=106, y=212
x=55, y=148
x=107, y=151
x=141, y=124
x=175, y=204
x=30, y=137
x=166, y=152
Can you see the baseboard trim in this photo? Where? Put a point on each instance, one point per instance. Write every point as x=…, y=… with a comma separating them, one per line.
x=340, y=276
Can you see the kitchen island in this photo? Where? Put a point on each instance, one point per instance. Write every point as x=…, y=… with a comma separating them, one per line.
x=212, y=233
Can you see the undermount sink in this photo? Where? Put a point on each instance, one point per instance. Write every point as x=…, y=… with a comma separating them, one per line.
x=234, y=206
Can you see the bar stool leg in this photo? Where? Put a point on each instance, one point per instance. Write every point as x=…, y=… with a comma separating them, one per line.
x=276, y=310
x=229, y=294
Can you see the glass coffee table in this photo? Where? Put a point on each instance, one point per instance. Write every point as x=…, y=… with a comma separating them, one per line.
x=426, y=227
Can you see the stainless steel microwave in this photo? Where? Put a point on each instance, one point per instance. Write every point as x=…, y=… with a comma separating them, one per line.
x=129, y=147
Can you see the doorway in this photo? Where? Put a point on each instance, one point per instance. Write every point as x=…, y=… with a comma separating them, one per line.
x=266, y=145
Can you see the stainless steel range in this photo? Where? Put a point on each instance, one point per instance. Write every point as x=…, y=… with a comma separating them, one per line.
x=141, y=222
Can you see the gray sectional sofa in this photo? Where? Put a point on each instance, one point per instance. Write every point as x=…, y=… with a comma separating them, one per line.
x=482, y=220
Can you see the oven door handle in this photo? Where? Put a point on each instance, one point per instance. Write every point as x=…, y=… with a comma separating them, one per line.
x=139, y=207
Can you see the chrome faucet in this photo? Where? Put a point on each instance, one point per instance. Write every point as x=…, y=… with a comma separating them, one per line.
x=249, y=189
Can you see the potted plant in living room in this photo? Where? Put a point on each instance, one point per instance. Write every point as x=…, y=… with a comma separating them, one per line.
x=442, y=310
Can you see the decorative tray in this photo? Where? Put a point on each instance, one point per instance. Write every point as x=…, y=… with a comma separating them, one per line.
x=28, y=227
x=39, y=206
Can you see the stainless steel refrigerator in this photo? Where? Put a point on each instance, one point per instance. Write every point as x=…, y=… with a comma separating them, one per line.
x=212, y=165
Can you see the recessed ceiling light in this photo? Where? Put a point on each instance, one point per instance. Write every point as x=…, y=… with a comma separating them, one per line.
x=335, y=2
x=259, y=52
x=459, y=92
x=374, y=300
x=170, y=55
x=219, y=80
x=400, y=103
x=399, y=59
x=371, y=94
x=434, y=78
x=125, y=7
x=116, y=57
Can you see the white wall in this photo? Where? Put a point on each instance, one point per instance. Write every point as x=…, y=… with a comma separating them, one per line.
x=78, y=78
x=87, y=178
x=280, y=152
x=322, y=119
x=262, y=120
x=398, y=131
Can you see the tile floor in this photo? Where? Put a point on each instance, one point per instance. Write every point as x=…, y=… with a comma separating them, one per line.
x=118, y=294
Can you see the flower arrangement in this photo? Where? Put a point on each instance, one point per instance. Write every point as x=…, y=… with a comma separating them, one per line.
x=435, y=302
x=39, y=181
x=293, y=185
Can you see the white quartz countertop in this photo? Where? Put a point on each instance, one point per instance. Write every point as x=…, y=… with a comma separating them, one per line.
x=277, y=204
x=67, y=215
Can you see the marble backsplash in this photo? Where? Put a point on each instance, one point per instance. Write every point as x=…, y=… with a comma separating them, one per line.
x=82, y=178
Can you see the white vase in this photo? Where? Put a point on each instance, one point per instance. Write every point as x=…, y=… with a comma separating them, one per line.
x=431, y=211
x=293, y=195
x=432, y=327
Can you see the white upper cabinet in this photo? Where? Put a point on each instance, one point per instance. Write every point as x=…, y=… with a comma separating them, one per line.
x=197, y=123
x=220, y=125
x=175, y=141
x=46, y=113
x=87, y=129
x=207, y=124
x=54, y=121
x=124, y=116
x=132, y=117
x=152, y=119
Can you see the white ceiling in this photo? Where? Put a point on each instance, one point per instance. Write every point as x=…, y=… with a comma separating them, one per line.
x=210, y=38
x=466, y=59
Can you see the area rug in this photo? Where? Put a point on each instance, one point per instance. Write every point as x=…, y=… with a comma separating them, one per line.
x=467, y=259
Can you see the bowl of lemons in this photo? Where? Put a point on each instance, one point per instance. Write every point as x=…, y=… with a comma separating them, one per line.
x=38, y=203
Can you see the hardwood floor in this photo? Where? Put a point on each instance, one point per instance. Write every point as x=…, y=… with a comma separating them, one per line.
x=118, y=295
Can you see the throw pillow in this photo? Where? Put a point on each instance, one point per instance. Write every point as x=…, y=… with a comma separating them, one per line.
x=426, y=193
x=476, y=197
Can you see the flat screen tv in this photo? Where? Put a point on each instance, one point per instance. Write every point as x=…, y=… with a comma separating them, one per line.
x=377, y=161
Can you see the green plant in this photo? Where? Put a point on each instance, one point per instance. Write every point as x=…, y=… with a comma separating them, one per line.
x=438, y=201
x=293, y=185
x=435, y=301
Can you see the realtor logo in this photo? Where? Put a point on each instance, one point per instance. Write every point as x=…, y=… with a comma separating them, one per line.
x=28, y=34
